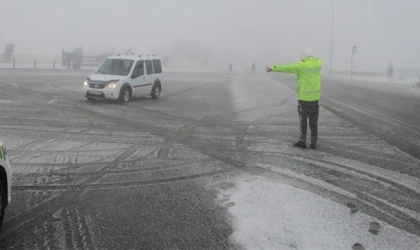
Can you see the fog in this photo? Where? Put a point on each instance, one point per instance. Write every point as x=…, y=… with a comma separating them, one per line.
x=266, y=31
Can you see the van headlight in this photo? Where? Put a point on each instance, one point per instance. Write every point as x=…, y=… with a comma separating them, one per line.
x=112, y=85
x=85, y=83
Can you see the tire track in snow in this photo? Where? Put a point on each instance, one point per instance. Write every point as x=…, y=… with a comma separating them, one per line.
x=68, y=190
x=343, y=177
x=79, y=188
x=403, y=145
x=140, y=166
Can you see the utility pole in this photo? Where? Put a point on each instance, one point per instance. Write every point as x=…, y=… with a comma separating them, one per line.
x=353, y=51
x=332, y=39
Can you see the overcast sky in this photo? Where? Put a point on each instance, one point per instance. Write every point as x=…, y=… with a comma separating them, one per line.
x=383, y=30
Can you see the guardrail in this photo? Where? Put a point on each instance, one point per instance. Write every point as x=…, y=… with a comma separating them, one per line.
x=35, y=64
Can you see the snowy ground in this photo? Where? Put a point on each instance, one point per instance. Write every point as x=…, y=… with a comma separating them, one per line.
x=272, y=215
x=195, y=168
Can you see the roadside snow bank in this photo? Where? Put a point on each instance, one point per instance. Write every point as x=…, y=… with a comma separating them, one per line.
x=270, y=215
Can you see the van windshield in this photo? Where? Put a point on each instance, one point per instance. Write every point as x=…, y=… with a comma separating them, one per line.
x=119, y=67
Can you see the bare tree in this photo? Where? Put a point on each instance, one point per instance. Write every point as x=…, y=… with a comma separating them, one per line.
x=390, y=71
x=77, y=55
x=9, y=50
x=78, y=51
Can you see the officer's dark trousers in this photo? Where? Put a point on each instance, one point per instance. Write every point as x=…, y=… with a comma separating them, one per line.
x=308, y=110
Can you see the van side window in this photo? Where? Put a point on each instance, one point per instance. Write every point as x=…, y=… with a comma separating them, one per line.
x=149, y=67
x=157, y=66
x=138, y=70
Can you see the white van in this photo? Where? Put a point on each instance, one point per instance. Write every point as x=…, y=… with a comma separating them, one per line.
x=123, y=77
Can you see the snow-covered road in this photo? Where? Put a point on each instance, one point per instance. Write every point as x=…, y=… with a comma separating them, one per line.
x=208, y=165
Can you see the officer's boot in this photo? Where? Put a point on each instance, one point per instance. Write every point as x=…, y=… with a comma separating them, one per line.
x=300, y=144
x=302, y=138
x=303, y=125
x=313, y=141
x=314, y=138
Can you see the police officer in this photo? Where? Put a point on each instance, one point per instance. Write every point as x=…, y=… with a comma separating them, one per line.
x=230, y=69
x=308, y=71
x=252, y=69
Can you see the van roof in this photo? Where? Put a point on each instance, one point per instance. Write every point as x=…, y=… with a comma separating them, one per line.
x=134, y=56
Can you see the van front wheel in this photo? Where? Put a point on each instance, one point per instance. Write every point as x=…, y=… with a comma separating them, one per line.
x=125, y=95
x=155, y=91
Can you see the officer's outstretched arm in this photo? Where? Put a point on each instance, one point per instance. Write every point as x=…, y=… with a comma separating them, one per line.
x=287, y=68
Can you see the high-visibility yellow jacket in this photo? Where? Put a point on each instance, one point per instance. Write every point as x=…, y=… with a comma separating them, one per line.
x=309, y=77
